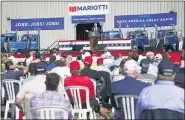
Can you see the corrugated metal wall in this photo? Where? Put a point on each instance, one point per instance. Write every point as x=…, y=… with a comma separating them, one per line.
x=16, y=10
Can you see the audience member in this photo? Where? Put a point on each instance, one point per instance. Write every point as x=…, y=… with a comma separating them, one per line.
x=116, y=62
x=126, y=85
x=51, y=97
x=62, y=70
x=152, y=69
x=107, y=59
x=77, y=80
x=101, y=67
x=32, y=72
x=140, y=52
x=29, y=58
x=36, y=58
x=179, y=77
x=52, y=63
x=34, y=86
x=88, y=71
x=43, y=59
x=158, y=59
x=80, y=60
x=12, y=58
x=164, y=94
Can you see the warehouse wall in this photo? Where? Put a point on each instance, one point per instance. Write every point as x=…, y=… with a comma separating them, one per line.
x=16, y=10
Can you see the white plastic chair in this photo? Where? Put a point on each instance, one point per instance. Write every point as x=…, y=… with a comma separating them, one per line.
x=117, y=77
x=49, y=112
x=94, y=83
x=77, y=107
x=128, y=105
x=9, y=83
x=148, y=81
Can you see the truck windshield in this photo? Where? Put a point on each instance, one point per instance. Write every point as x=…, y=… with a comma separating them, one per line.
x=171, y=33
x=112, y=35
x=143, y=34
x=8, y=38
x=25, y=38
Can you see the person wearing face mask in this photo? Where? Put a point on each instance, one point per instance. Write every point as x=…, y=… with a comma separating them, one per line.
x=129, y=85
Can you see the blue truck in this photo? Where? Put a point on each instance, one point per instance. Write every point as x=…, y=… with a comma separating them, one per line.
x=168, y=36
x=26, y=42
x=140, y=38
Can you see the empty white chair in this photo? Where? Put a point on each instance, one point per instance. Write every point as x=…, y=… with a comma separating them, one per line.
x=77, y=107
x=128, y=105
x=49, y=112
x=9, y=86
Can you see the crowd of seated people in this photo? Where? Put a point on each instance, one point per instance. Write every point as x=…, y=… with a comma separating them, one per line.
x=156, y=81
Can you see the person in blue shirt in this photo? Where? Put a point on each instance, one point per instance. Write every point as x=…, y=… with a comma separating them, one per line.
x=52, y=63
x=164, y=94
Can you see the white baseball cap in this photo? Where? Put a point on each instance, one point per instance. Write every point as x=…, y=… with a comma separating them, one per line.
x=87, y=54
x=131, y=65
x=158, y=56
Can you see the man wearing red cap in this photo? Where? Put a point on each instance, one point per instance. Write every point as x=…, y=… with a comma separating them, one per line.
x=101, y=67
x=77, y=80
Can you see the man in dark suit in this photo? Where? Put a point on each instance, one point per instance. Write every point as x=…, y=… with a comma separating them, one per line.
x=159, y=45
x=6, y=48
x=180, y=44
x=94, y=35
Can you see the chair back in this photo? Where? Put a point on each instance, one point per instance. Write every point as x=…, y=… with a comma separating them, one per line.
x=75, y=94
x=94, y=84
x=9, y=86
x=49, y=112
x=117, y=77
x=77, y=102
x=148, y=81
x=128, y=105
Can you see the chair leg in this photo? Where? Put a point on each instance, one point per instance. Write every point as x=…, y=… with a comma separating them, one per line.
x=6, y=110
x=17, y=112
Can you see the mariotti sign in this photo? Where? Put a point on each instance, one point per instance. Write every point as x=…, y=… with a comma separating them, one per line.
x=99, y=8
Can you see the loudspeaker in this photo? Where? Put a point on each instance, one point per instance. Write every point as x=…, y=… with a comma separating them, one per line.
x=77, y=47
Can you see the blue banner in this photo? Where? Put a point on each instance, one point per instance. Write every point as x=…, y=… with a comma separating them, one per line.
x=147, y=20
x=88, y=19
x=37, y=24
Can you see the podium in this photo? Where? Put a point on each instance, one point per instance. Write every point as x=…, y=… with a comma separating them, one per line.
x=93, y=38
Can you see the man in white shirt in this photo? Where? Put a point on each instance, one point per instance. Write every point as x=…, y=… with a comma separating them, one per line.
x=180, y=44
x=28, y=60
x=101, y=67
x=107, y=58
x=62, y=70
x=35, y=86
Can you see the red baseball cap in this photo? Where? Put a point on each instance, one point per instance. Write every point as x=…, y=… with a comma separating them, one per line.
x=100, y=61
x=88, y=60
x=94, y=53
x=75, y=65
x=118, y=54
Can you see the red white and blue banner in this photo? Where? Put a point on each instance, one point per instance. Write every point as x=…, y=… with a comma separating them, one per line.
x=147, y=20
x=120, y=44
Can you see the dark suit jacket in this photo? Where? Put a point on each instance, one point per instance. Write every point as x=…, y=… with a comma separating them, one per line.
x=97, y=32
x=179, y=78
x=91, y=73
x=159, y=46
x=3, y=50
x=177, y=46
x=161, y=114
